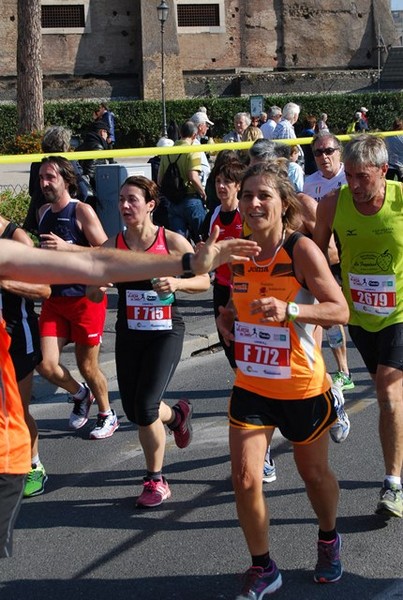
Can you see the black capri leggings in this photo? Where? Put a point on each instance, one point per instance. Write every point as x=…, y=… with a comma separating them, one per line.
x=145, y=365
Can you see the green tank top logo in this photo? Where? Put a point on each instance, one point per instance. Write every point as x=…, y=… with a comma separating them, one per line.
x=371, y=262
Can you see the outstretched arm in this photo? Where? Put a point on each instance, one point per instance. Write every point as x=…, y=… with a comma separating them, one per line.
x=100, y=266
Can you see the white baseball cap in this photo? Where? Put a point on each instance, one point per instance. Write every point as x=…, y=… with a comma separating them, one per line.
x=363, y=109
x=200, y=117
x=164, y=141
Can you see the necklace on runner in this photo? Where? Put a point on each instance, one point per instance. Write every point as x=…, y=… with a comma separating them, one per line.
x=277, y=250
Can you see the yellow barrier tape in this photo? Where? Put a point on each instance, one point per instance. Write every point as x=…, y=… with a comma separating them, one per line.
x=7, y=159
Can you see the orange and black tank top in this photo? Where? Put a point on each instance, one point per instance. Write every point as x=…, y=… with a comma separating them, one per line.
x=281, y=360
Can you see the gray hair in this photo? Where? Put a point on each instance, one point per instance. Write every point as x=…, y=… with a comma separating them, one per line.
x=291, y=110
x=366, y=149
x=188, y=129
x=326, y=135
x=56, y=139
x=274, y=111
x=244, y=115
x=262, y=150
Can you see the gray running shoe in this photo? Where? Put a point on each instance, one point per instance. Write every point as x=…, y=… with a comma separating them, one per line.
x=80, y=412
x=391, y=502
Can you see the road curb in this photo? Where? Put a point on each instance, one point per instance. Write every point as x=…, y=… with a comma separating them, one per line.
x=194, y=342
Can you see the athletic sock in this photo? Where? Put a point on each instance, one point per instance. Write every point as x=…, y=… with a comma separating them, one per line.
x=80, y=395
x=177, y=419
x=105, y=413
x=154, y=475
x=392, y=480
x=327, y=536
x=35, y=461
x=261, y=560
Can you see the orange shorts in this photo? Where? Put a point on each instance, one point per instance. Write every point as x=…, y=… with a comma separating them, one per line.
x=75, y=319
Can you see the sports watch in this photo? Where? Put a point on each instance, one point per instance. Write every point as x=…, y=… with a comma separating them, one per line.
x=186, y=265
x=292, y=311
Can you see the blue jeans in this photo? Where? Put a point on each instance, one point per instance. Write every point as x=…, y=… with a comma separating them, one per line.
x=187, y=217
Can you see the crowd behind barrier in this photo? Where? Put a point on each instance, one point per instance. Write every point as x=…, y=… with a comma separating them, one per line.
x=160, y=151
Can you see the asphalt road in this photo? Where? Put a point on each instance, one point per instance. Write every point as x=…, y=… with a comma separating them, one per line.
x=84, y=539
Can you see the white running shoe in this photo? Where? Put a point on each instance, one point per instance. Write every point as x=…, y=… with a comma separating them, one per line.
x=105, y=427
x=79, y=415
x=341, y=428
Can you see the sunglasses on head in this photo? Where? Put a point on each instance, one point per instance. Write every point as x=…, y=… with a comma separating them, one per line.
x=327, y=151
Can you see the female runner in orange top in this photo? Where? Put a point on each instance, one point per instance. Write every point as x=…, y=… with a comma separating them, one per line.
x=281, y=380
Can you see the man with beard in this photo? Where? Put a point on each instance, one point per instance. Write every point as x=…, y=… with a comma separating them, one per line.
x=68, y=315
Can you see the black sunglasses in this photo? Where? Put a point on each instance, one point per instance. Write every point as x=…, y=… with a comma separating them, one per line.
x=327, y=151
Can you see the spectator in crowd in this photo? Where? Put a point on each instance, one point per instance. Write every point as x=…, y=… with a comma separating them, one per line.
x=95, y=139
x=242, y=120
x=202, y=122
x=322, y=123
x=263, y=150
x=173, y=131
x=309, y=130
x=295, y=171
x=160, y=214
x=329, y=175
x=251, y=134
x=362, y=124
x=364, y=117
x=103, y=113
x=187, y=215
x=262, y=118
x=255, y=121
x=358, y=124
x=285, y=127
x=273, y=118
x=309, y=126
x=55, y=139
x=394, y=144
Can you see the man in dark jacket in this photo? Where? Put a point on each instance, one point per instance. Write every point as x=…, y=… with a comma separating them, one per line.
x=95, y=139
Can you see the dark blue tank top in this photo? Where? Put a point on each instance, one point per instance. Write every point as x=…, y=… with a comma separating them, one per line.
x=64, y=224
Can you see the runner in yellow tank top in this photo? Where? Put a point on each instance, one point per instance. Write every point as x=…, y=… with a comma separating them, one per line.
x=281, y=380
x=367, y=220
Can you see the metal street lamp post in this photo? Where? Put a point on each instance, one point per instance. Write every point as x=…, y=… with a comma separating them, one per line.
x=162, y=11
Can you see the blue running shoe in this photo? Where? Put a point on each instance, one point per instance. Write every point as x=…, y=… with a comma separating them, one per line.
x=257, y=582
x=328, y=568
